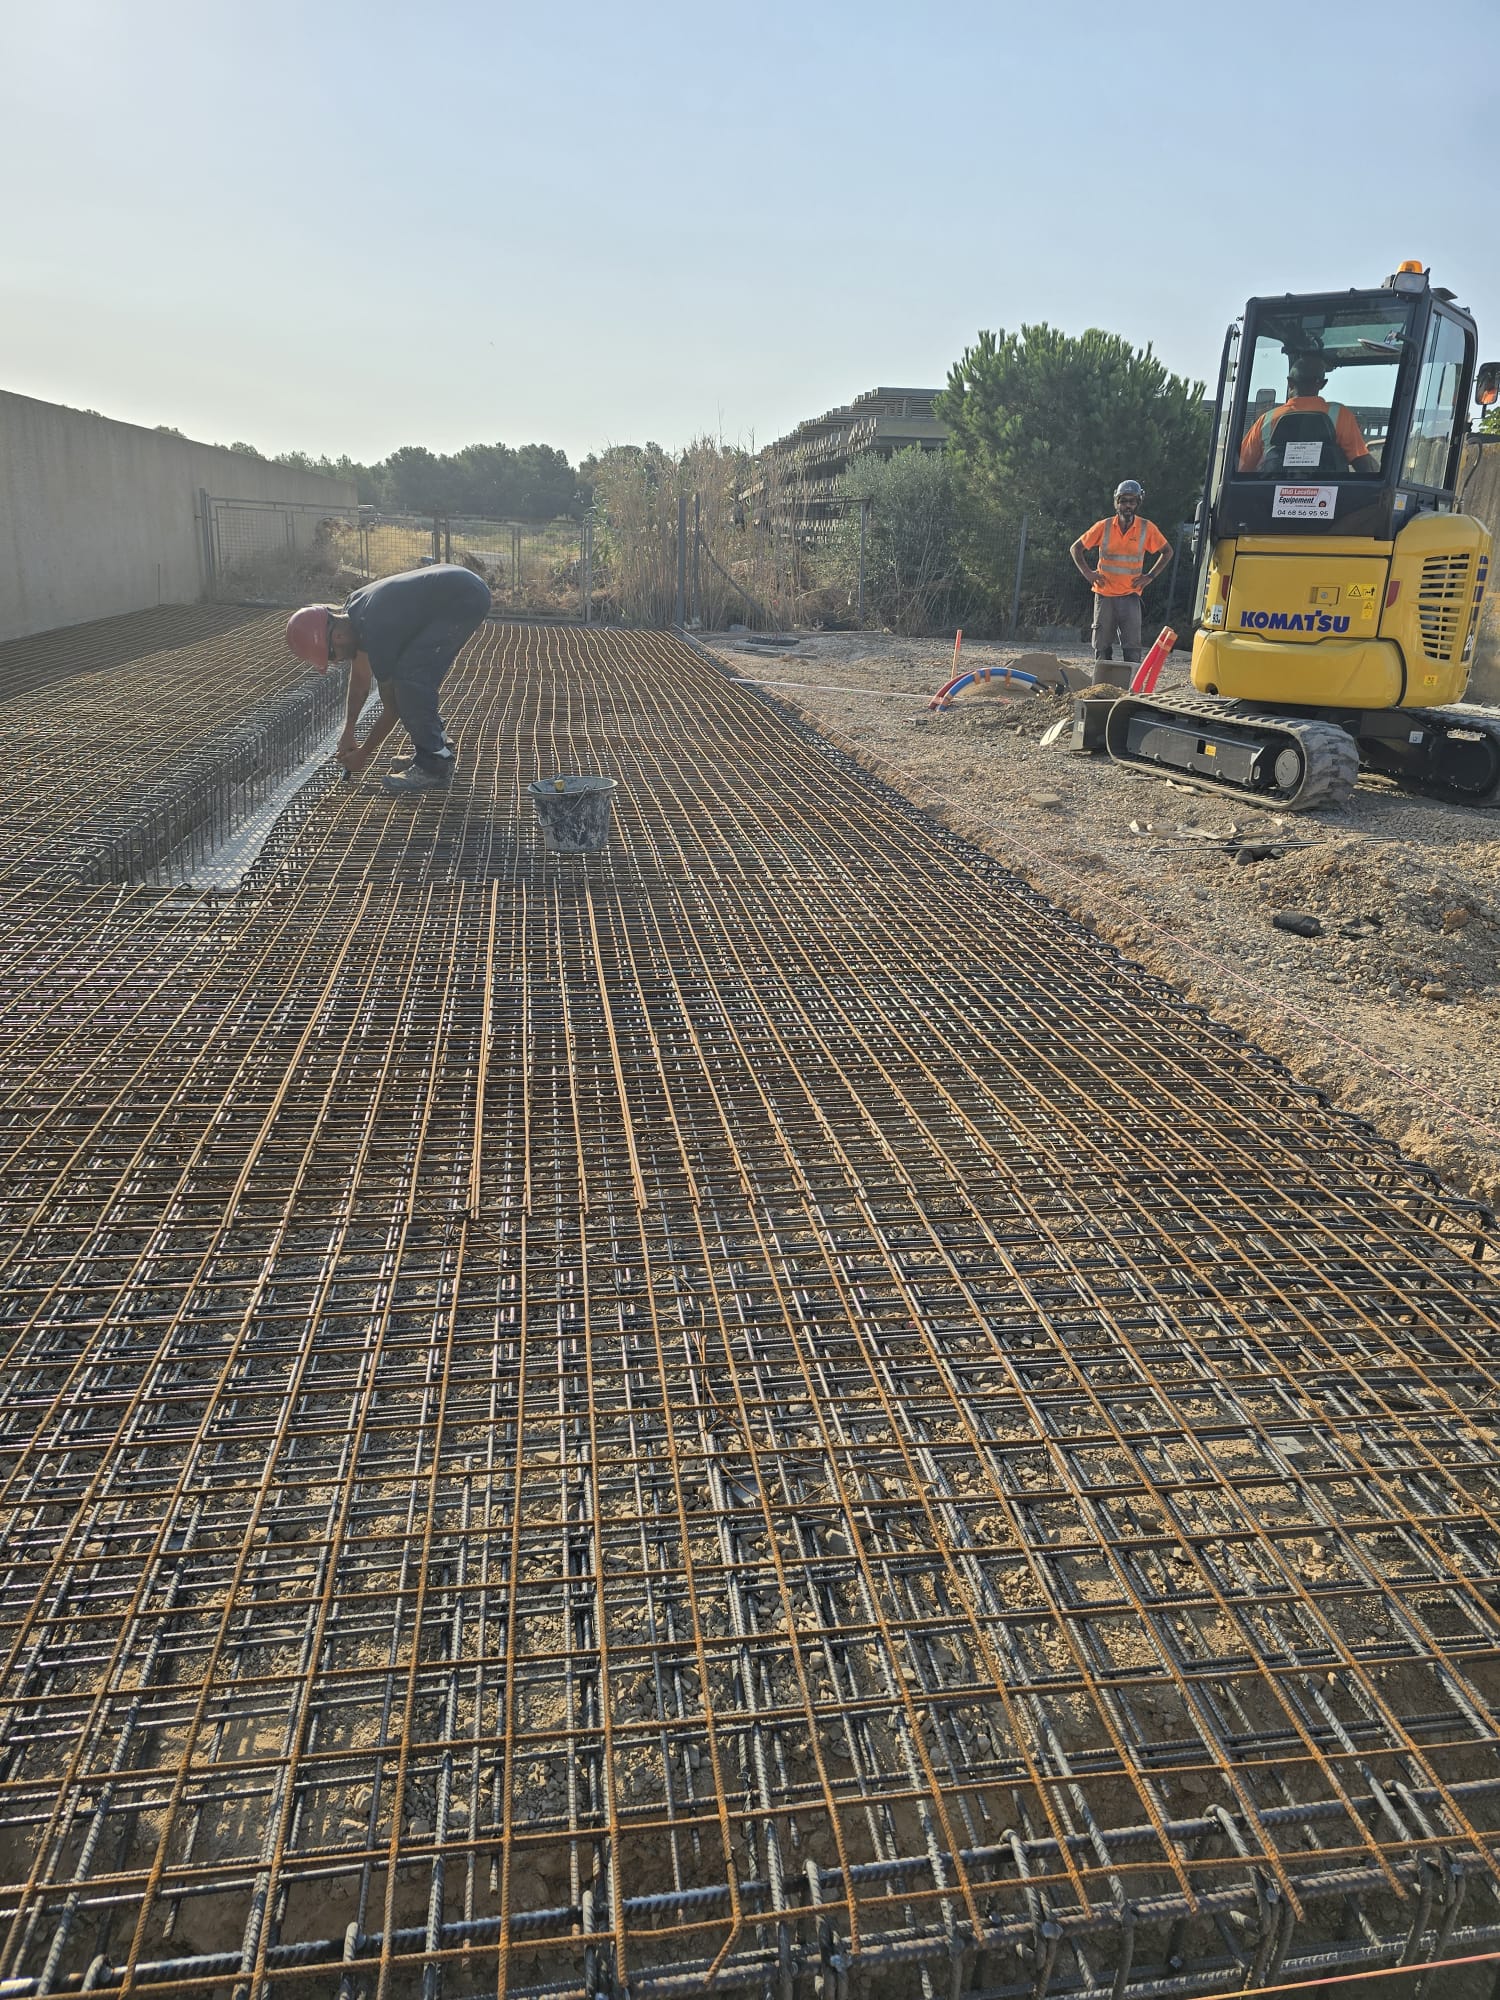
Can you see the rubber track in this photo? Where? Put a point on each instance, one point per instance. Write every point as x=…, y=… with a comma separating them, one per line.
x=1330, y=754
x=1484, y=722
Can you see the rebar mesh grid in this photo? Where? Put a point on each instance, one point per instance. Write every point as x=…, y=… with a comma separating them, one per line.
x=125, y=766
x=73, y=650
x=759, y=1410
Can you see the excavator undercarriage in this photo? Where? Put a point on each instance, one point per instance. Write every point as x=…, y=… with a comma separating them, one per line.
x=1297, y=763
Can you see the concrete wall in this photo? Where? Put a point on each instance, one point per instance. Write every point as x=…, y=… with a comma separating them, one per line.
x=1479, y=484
x=98, y=517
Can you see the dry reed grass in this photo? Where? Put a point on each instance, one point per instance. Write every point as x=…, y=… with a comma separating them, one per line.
x=546, y=580
x=749, y=566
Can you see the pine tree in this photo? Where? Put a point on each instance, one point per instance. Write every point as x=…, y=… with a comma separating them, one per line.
x=1045, y=424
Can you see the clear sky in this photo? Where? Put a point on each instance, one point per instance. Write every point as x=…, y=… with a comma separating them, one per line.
x=346, y=228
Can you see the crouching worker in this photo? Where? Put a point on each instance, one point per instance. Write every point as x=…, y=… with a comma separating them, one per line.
x=404, y=631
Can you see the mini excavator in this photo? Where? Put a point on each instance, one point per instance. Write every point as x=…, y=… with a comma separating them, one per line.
x=1339, y=580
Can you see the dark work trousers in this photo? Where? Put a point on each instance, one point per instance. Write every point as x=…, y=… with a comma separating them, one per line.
x=1117, y=617
x=424, y=661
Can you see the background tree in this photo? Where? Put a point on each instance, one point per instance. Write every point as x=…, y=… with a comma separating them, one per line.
x=367, y=481
x=912, y=580
x=546, y=485
x=1046, y=424
x=484, y=481
x=491, y=482
x=416, y=481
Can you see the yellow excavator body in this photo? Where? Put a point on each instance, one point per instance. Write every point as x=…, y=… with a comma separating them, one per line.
x=1344, y=624
x=1340, y=580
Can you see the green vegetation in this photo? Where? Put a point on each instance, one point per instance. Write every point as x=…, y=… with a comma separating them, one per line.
x=1044, y=424
x=546, y=579
x=748, y=572
x=912, y=579
x=494, y=482
x=490, y=482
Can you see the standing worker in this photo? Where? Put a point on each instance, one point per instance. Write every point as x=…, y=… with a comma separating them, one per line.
x=1125, y=541
x=406, y=632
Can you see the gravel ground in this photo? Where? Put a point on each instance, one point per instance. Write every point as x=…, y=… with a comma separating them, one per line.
x=1393, y=1009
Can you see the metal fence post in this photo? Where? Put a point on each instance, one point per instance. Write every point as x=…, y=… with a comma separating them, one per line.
x=698, y=560
x=681, y=559
x=864, y=516
x=206, y=522
x=1015, y=602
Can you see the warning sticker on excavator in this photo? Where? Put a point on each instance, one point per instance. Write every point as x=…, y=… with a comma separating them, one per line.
x=1304, y=503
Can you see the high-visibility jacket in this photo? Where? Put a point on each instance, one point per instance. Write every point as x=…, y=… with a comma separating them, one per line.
x=1346, y=431
x=1123, y=553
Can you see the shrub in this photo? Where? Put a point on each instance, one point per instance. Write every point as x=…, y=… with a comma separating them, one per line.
x=1043, y=424
x=912, y=579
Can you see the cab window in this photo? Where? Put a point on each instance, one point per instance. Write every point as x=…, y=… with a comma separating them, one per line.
x=1435, y=416
x=1320, y=390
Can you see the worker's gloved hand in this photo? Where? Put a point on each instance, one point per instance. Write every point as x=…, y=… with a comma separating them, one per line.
x=353, y=756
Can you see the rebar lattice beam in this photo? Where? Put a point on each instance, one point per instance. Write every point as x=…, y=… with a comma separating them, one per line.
x=754, y=1409
x=133, y=770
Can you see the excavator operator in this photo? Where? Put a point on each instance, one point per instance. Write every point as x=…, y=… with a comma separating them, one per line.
x=1305, y=437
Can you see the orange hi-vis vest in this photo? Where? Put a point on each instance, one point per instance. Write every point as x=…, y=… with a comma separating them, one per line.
x=1120, y=555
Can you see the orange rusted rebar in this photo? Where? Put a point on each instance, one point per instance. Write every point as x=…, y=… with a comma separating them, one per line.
x=748, y=1408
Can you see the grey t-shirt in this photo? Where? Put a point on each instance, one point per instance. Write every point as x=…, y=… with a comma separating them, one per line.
x=413, y=618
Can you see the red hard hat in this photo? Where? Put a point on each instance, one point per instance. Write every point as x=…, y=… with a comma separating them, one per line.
x=307, y=634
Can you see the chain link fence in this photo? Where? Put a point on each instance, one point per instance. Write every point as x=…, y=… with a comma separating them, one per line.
x=289, y=552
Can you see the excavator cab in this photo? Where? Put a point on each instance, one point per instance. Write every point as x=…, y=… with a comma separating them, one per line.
x=1343, y=413
x=1339, y=584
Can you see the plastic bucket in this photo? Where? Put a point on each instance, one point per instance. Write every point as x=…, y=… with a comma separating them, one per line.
x=574, y=813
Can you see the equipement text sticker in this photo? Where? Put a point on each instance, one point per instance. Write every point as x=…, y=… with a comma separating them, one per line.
x=1304, y=503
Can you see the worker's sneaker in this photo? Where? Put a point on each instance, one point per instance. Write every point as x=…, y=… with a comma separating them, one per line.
x=409, y=761
x=404, y=784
